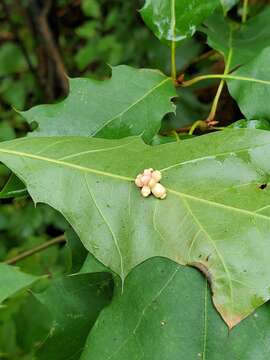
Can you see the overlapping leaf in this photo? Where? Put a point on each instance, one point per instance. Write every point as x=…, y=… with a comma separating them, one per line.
x=251, y=88
x=132, y=102
x=245, y=42
x=173, y=20
x=173, y=305
x=73, y=304
x=216, y=215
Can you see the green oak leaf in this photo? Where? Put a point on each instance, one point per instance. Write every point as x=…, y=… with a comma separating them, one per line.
x=73, y=304
x=244, y=42
x=172, y=20
x=173, y=304
x=132, y=102
x=251, y=87
x=131, y=115
x=13, y=280
x=216, y=215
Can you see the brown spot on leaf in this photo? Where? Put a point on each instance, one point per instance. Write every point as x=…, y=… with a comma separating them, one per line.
x=230, y=319
x=203, y=268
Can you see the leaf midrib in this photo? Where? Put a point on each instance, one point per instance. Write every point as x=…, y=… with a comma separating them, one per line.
x=126, y=178
x=64, y=163
x=131, y=106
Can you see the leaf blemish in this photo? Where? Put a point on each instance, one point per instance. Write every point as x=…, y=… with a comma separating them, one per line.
x=149, y=182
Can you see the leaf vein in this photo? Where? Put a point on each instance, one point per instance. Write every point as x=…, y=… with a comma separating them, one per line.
x=132, y=105
x=109, y=227
x=215, y=248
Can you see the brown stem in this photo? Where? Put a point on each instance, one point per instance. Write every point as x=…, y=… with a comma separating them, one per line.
x=178, y=130
x=51, y=67
x=204, y=56
x=53, y=51
x=44, y=246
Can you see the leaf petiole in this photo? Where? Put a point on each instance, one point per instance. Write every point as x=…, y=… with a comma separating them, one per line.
x=245, y=11
x=220, y=76
x=173, y=43
x=213, y=111
x=198, y=124
x=173, y=60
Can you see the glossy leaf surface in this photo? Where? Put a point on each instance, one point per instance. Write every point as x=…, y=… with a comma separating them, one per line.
x=216, y=215
x=172, y=20
x=132, y=102
x=168, y=314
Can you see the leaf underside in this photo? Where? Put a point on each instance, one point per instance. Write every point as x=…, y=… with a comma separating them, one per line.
x=216, y=216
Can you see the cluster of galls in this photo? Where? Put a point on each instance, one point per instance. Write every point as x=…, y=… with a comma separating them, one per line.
x=149, y=182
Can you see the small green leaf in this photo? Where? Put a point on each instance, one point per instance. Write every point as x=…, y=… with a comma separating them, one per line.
x=168, y=314
x=132, y=102
x=87, y=30
x=13, y=280
x=172, y=20
x=91, y=8
x=215, y=217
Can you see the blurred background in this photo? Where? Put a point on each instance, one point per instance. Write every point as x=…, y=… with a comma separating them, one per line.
x=41, y=43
